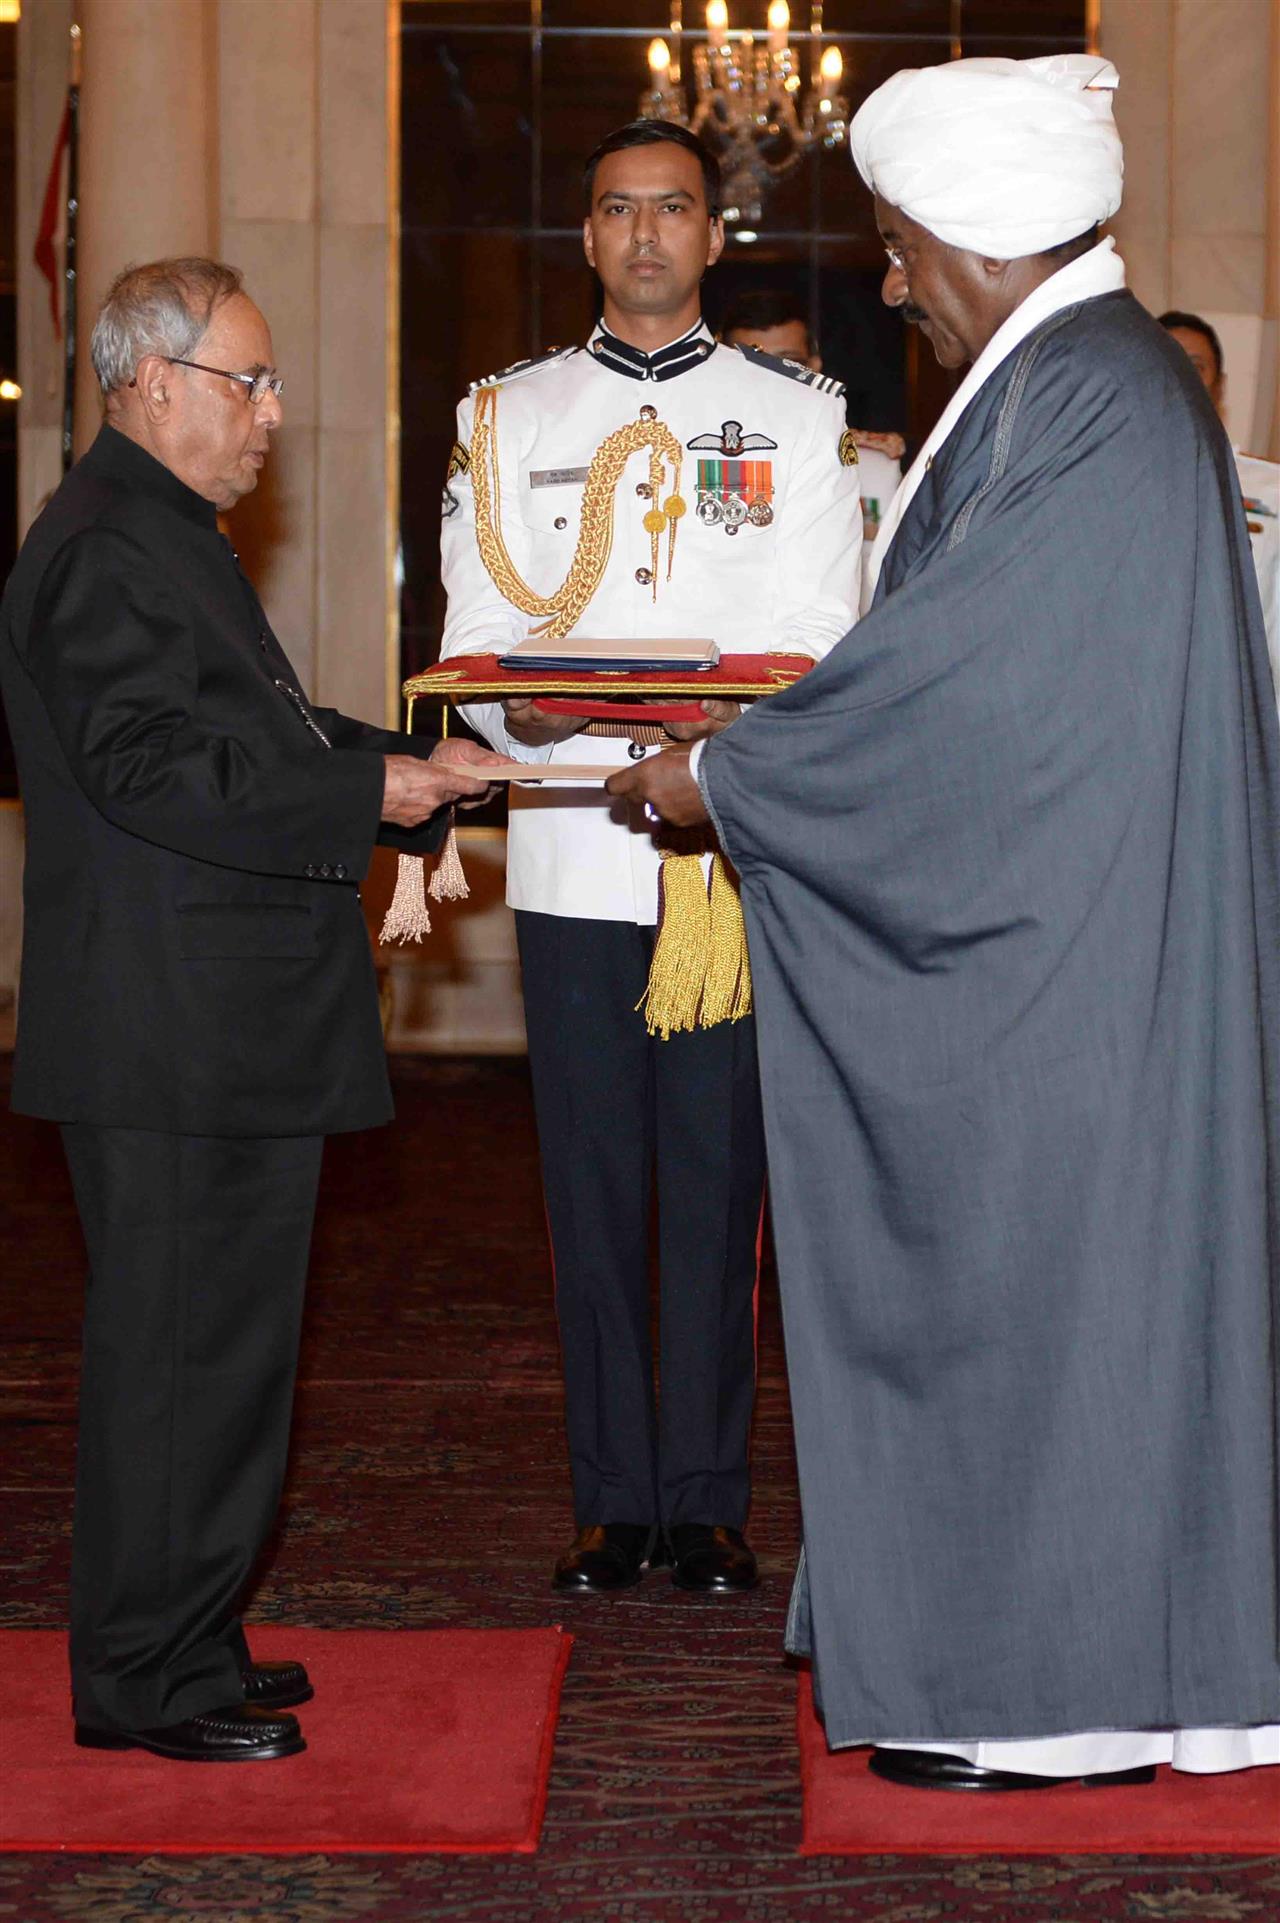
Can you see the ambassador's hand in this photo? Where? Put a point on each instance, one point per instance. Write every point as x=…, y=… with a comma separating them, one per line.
x=414, y=789
x=663, y=783
x=524, y=723
x=719, y=714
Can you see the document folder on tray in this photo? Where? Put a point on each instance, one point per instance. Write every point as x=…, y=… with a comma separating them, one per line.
x=583, y=656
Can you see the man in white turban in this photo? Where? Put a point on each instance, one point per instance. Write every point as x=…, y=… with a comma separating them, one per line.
x=1010, y=864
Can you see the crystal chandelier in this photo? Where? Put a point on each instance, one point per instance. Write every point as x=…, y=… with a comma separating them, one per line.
x=748, y=102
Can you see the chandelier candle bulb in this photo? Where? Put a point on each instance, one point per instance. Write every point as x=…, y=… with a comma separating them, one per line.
x=779, y=18
x=830, y=68
x=718, y=24
x=660, y=75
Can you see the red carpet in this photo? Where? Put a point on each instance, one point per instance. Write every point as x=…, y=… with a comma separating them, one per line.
x=850, y=1812
x=418, y=1741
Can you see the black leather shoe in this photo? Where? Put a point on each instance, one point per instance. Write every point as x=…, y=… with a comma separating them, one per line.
x=604, y=1557
x=276, y=1685
x=931, y=1769
x=238, y=1734
x=711, y=1560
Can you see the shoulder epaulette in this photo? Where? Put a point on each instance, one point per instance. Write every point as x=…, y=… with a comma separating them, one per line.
x=518, y=369
x=794, y=370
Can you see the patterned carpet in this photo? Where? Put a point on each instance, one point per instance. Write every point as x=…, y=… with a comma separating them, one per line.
x=428, y=1487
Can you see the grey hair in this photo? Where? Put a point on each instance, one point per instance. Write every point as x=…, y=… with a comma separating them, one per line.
x=161, y=308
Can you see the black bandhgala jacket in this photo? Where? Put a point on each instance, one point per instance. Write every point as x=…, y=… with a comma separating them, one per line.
x=195, y=957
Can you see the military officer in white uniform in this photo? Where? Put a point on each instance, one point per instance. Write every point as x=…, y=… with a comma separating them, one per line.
x=766, y=557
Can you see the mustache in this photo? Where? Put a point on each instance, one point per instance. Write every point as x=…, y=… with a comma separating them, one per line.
x=910, y=312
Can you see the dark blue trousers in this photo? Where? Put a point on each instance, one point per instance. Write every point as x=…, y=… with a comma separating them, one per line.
x=615, y=1108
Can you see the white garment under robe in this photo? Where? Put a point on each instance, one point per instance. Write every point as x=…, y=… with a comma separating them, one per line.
x=1201, y=1752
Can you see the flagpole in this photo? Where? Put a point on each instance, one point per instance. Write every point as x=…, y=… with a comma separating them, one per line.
x=69, y=269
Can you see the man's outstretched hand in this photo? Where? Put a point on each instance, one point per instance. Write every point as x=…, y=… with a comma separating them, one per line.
x=664, y=784
x=414, y=789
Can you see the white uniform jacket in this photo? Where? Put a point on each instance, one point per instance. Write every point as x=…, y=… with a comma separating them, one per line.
x=786, y=582
x=879, y=478
x=1260, y=486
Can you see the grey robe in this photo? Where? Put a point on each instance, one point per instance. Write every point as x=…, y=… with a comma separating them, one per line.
x=1009, y=861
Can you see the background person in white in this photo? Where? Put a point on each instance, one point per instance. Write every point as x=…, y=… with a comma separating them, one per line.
x=583, y=870
x=1259, y=479
x=775, y=321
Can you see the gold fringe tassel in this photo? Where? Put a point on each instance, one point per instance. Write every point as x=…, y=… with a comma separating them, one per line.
x=448, y=882
x=407, y=917
x=700, y=974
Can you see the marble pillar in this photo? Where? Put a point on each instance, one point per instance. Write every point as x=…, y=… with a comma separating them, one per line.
x=44, y=66
x=1199, y=111
x=304, y=211
x=148, y=151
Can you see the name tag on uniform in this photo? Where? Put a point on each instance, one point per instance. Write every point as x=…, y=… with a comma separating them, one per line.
x=558, y=476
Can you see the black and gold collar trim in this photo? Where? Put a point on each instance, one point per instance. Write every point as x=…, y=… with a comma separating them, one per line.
x=677, y=357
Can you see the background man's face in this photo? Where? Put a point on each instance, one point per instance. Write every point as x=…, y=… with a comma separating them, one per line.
x=215, y=439
x=942, y=289
x=1201, y=355
x=649, y=235
x=789, y=341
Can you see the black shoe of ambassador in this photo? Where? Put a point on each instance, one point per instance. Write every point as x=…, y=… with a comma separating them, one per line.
x=237, y=1734
x=711, y=1560
x=603, y=1558
x=934, y=1769
x=276, y=1685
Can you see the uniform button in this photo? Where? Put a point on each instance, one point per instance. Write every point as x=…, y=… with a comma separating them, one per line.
x=310, y=871
x=340, y=871
x=324, y=871
x=644, y=576
x=644, y=490
x=262, y=639
x=560, y=521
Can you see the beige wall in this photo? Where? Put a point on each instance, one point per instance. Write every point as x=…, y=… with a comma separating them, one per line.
x=1199, y=110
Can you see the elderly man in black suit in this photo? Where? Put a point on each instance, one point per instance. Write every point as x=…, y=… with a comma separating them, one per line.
x=198, y=1000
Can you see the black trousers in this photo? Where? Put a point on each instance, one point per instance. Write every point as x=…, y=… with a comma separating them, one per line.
x=198, y=1252
x=613, y=1105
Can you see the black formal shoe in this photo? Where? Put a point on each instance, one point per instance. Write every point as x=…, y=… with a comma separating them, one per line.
x=931, y=1769
x=711, y=1560
x=238, y=1734
x=276, y=1685
x=604, y=1557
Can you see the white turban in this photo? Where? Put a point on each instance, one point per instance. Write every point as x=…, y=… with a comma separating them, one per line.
x=1003, y=157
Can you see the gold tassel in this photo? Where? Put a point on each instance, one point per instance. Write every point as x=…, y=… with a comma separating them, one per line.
x=700, y=974
x=407, y=917
x=727, y=994
x=448, y=882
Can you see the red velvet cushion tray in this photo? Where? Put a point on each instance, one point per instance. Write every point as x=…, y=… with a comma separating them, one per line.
x=593, y=693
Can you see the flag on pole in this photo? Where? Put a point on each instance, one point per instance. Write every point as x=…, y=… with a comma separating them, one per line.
x=53, y=219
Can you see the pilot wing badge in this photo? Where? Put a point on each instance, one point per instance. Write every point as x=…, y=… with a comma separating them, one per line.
x=737, y=489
